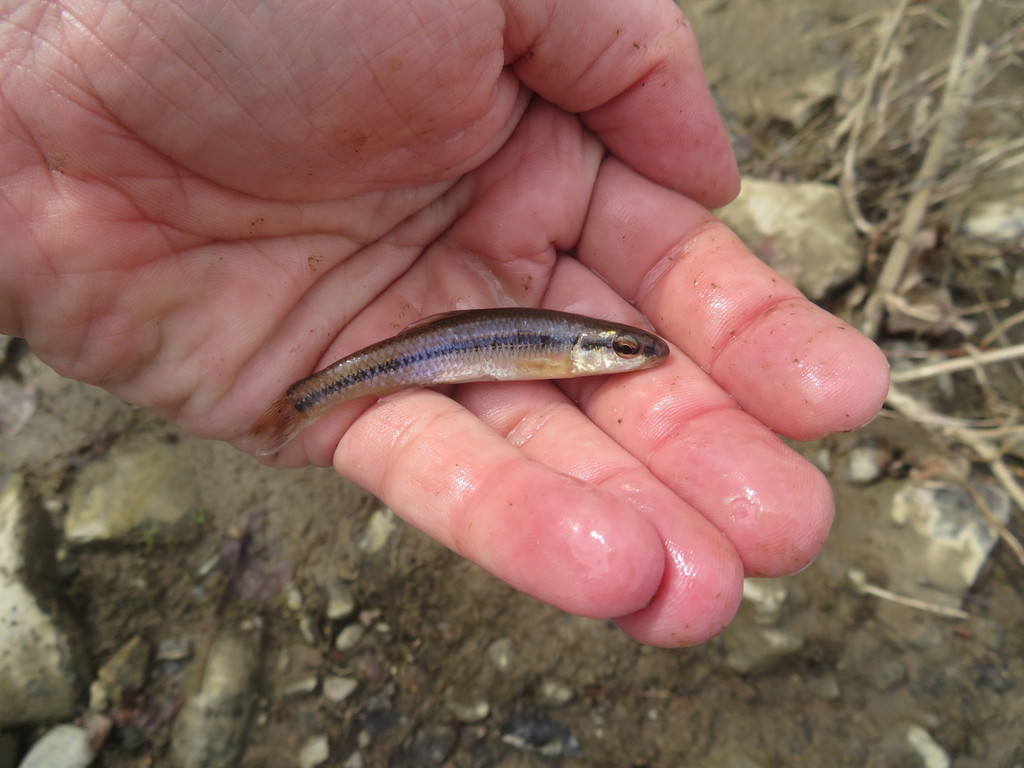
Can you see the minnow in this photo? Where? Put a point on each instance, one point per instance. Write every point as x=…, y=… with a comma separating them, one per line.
x=506, y=344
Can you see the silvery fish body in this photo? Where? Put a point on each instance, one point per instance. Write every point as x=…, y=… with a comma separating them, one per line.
x=506, y=344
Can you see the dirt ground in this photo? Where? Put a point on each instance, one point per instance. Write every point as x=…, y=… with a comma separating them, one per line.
x=869, y=683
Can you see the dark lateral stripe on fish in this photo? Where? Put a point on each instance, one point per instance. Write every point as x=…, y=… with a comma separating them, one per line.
x=512, y=340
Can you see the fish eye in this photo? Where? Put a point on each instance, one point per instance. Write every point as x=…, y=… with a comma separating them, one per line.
x=626, y=345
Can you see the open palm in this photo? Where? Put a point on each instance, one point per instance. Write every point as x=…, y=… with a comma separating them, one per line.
x=204, y=202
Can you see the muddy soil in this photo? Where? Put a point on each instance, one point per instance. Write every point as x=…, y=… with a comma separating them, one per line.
x=454, y=668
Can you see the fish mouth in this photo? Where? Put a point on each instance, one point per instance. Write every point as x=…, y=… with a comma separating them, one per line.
x=655, y=349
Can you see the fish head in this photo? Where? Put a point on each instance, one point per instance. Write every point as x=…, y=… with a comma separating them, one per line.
x=617, y=349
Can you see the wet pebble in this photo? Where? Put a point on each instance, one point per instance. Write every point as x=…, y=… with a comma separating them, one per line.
x=341, y=603
x=301, y=687
x=349, y=637
x=314, y=752
x=337, y=688
x=65, y=746
x=555, y=692
x=502, y=654
x=470, y=710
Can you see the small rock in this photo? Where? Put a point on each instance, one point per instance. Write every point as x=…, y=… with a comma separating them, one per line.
x=801, y=230
x=942, y=538
x=340, y=602
x=339, y=688
x=753, y=650
x=381, y=525
x=768, y=598
x=502, y=654
x=349, y=637
x=314, y=752
x=355, y=760
x=42, y=666
x=1000, y=221
x=211, y=728
x=469, y=711
x=134, y=495
x=174, y=649
x=301, y=687
x=65, y=746
x=867, y=462
x=124, y=672
x=555, y=693
x=542, y=736
x=293, y=599
x=932, y=755
x=307, y=630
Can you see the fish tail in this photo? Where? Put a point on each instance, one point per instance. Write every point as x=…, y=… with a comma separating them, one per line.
x=277, y=427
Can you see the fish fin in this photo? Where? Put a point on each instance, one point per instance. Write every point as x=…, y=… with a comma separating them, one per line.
x=432, y=319
x=277, y=427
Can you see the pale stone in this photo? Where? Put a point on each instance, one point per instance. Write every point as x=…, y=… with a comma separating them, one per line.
x=149, y=495
x=42, y=666
x=801, y=230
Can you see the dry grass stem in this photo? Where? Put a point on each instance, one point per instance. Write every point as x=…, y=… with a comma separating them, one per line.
x=853, y=125
x=1002, y=328
x=964, y=72
x=972, y=360
x=860, y=582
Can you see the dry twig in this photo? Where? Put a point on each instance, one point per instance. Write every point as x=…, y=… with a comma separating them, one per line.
x=964, y=72
x=857, y=119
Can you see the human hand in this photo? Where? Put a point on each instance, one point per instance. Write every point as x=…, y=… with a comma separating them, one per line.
x=203, y=203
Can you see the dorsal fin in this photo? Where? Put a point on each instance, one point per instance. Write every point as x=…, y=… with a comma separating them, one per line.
x=432, y=319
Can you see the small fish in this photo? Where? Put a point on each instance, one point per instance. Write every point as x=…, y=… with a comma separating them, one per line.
x=513, y=344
